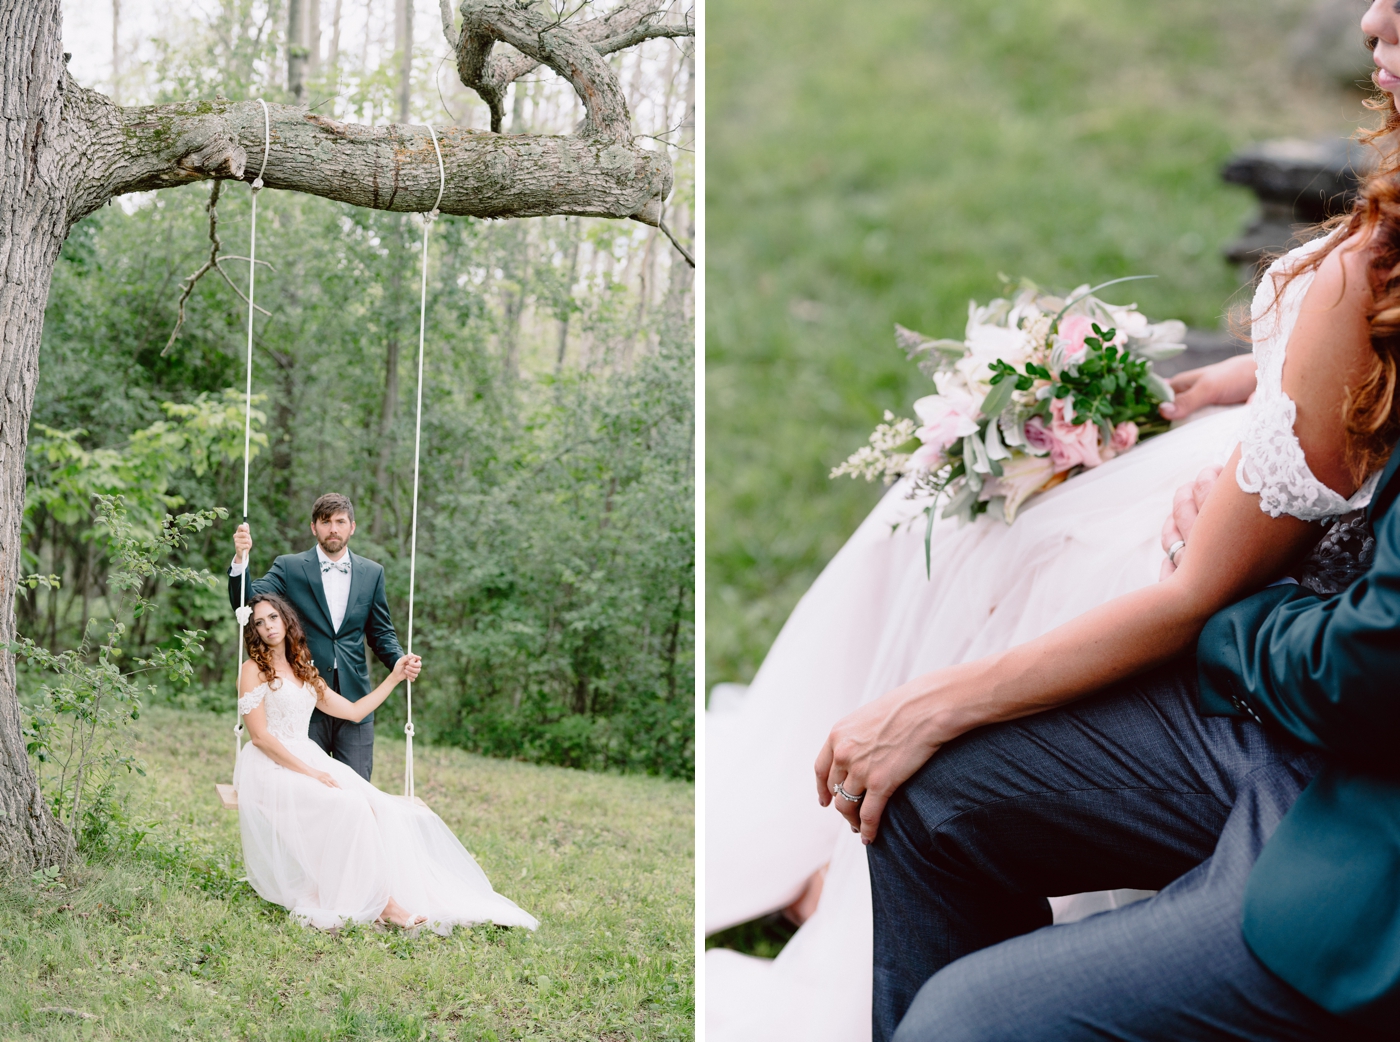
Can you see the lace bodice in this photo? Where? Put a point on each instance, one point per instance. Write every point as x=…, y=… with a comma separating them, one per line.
x=288, y=707
x=1271, y=460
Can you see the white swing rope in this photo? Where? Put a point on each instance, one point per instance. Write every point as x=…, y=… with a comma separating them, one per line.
x=428, y=219
x=244, y=611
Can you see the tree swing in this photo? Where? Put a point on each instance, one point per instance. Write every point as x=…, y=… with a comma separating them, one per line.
x=228, y=796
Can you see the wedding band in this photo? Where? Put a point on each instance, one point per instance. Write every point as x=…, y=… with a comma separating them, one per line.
x=1175, y=549
x=841, y=791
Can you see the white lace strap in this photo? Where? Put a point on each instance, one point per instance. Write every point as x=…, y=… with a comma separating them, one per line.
x=247, y=703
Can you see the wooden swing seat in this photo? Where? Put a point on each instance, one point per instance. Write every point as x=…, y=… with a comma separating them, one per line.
x=228, y=797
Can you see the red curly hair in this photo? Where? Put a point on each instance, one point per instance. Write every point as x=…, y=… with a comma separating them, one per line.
x=1372, y=410
x=294, y=645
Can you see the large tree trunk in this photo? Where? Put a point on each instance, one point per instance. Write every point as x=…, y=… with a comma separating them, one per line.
x=68, y=151
x=33, y=225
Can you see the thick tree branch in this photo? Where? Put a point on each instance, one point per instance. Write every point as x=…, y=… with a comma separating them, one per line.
x=385, y=168
x=572, y=49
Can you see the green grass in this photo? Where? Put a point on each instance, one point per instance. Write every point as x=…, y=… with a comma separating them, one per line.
x=169, y=944
x=879, y=163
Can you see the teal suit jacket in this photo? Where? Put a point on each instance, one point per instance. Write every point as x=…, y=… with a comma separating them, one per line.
x=1322, y=907
x=297, y=579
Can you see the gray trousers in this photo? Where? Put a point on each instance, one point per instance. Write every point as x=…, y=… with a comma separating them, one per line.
x=345, y=740
x=1132, y=788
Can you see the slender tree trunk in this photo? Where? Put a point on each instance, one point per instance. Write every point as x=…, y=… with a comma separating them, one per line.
x=403, y=50
x=33, y=224
x=388, y=406
x=313, y=37
x=334, y=57
x=571, y=226
x=116, y=52
x=296, y=49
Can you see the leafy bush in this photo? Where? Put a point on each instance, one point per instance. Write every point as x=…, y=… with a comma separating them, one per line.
x=75, y=727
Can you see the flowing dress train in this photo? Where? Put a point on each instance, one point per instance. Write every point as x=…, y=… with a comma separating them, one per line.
x=331, y=856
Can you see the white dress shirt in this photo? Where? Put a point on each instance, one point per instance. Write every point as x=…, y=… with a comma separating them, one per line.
x=337, y=585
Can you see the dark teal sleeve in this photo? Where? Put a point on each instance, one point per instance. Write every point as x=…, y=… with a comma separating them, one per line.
x=1327, y=670
x=272, y=582
x=379, y=628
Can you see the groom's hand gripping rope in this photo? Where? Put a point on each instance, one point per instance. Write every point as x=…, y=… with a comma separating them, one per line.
x=242, y=542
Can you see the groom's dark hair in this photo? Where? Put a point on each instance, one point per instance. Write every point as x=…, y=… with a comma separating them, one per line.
x=329, y=505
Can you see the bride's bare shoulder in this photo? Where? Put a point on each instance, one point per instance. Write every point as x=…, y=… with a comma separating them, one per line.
x=249, y=679
x=1330, y=351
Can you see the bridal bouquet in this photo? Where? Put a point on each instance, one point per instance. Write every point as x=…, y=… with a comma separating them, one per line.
x=1039, y=389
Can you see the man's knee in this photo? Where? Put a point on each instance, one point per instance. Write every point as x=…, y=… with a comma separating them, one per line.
x=956, y=1006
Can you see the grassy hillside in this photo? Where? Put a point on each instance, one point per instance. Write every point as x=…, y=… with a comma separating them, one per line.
x=170, y=944
x=873, y=164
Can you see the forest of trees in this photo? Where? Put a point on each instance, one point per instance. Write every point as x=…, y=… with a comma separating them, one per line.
x=555, y=606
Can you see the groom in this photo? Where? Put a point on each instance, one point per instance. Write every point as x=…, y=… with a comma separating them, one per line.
x=340, y=599
x=1256, y=785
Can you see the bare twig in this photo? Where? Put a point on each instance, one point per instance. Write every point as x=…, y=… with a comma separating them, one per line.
x=66, y=1011
x=212, y=264
x=676, y=243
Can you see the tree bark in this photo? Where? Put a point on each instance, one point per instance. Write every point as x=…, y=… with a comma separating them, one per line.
x=33, y=225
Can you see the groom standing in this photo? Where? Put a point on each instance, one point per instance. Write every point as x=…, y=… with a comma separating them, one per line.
x=340, y=599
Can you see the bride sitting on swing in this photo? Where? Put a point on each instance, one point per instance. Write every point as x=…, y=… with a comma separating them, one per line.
x=320, y=840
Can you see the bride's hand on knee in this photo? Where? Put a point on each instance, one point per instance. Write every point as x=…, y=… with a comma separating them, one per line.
x=325, y=778
x=873, y=751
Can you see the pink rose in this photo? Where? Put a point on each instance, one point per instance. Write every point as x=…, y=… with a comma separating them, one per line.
x=1125, y=436
x=946, y=417
x=1070, y=444
x=1037, y=437
x=1071, y=335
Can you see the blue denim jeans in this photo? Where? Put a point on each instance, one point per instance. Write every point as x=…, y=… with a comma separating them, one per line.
x=1132, y=788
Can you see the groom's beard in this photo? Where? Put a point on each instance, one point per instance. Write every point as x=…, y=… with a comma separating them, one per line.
x=333, y=545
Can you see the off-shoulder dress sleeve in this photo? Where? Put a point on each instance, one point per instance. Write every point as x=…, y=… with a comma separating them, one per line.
x=1272, y=463
x=247, y=703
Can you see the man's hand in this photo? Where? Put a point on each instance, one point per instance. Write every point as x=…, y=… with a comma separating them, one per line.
x=409, y=666
x=878, y=748
x=1186, y=504
x=1230, y=382
x=242, y=542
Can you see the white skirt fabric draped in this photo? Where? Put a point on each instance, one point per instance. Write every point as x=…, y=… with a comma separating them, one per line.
x=332, y=856
x=871, y=621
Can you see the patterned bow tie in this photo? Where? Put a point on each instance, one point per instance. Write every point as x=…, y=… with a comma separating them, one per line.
x=342, y=566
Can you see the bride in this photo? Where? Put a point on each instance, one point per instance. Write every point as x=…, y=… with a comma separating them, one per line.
x=318, y=839
x=872, y=621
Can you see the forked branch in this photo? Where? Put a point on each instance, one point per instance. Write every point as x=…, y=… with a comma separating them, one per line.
x=212, y=264
x=572, y=49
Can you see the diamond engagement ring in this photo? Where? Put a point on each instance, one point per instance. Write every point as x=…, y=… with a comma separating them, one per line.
x=841, y=791
x=1175, y=549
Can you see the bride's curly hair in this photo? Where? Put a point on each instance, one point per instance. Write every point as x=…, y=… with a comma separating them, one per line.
x=1372, y=409
x=294, y=644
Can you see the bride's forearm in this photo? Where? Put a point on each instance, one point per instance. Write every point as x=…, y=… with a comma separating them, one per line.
x=278, y=753
x=1235, y=549
x=362, y=707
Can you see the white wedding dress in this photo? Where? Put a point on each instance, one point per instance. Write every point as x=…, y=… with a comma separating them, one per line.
x=873, y=620
x=331, y=856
